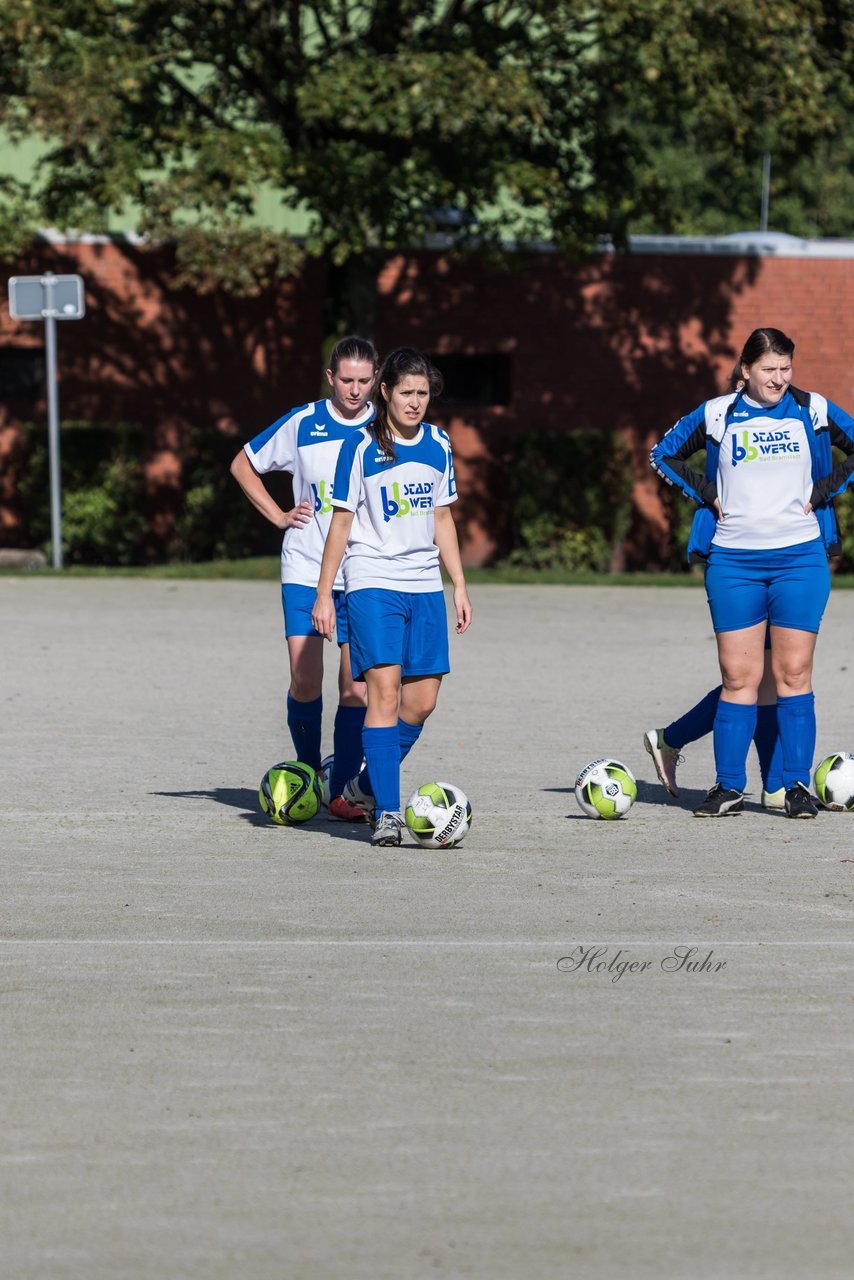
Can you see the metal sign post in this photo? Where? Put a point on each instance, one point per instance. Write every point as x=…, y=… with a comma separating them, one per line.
x=49, y=298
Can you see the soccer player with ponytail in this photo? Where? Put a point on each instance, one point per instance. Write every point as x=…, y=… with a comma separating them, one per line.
x=393, y=488
x=305, y=442
x=765, y=526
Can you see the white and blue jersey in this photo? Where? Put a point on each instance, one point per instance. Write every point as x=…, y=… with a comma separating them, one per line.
x=764, y=464
x=391, y=542
x=306, y=442
x=765, y=511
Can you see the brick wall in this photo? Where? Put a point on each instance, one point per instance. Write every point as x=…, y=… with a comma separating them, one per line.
x=169, y=359
x=624, y=343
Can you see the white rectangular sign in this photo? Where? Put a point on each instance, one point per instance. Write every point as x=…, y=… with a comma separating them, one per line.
x=34, y=297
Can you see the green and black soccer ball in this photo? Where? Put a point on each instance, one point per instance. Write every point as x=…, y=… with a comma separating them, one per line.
x=605, y=789
x=834, y=781
x=290, y=792
x=438, y=815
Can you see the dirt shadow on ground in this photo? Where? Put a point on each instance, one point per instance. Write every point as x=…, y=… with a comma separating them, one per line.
x=246, y=800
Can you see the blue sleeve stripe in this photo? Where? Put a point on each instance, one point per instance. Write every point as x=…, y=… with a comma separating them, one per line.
x=843, y=421
x=256, y=444
x=344, y=469
x=682, y=440
x=673, y=477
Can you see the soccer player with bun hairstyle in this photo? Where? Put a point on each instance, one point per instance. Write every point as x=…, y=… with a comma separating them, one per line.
x=305, y=442
x=764, y=526
x=393, y=488
x=665, y=745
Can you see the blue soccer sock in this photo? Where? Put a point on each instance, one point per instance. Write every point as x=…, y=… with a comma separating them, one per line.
x=796, y=722
x=695, y=723
x=346, y=747
x=409, y=735
x=382, y=753
x=767, y=742
x=304, y=722
x=734, y=726
x=365, y=784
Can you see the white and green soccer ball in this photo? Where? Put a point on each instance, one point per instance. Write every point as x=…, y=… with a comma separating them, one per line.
x=290, y=792
x=605, y=789
x=438, y=815
x=834, y=781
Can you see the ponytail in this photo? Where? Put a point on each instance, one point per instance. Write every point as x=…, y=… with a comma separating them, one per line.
x=353, y=348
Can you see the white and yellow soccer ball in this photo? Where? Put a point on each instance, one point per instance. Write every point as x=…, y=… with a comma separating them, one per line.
x=290, y=792
x=834, y=781
x=438, y=815
x=605, y=789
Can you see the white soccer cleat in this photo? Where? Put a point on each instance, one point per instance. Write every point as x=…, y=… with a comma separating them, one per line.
x=389, y=829
x=354, y=794
x=664, y=758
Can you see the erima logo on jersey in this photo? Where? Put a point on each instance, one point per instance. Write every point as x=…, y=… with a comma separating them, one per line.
x=763, y=445
x=742, y=413
x=414, y=498
x=319, y=431
x=322, y=497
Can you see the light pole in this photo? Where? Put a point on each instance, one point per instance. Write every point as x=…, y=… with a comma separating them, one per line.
x=50, y=298
x=766, y=191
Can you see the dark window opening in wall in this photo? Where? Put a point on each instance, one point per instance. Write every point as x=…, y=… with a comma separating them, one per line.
x=21, y=373
x=477, y=381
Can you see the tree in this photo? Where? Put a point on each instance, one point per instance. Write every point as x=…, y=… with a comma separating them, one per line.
x=490, y=119
x=784, y=88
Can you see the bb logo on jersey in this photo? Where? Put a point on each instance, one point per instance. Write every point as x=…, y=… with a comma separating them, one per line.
x=414, y=498
x=761, y=444
x=322, y=497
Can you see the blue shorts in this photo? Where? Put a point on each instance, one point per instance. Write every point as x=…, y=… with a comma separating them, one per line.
x=408, y=629
x=788, y=586
x=298, y=602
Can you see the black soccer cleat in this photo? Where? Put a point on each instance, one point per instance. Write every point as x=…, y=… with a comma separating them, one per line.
x=720, y=803
x=799, y=802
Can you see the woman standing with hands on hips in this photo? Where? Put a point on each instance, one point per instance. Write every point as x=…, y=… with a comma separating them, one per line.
x=394, y=484
x=765, y=526
x=305, y=442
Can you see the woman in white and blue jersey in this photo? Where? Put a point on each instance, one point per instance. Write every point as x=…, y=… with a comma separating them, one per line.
x=665, y=744
x=394, y=485
x=765, y=526
x=306, y=442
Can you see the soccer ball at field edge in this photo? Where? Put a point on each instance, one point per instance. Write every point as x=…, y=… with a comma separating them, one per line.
x=327, y=764
x=325, y=774
x=834, y=781
x=290, y=792
x=605, y=788
x=438, y=815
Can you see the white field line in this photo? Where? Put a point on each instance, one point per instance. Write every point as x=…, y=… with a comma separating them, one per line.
x=509, y=943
